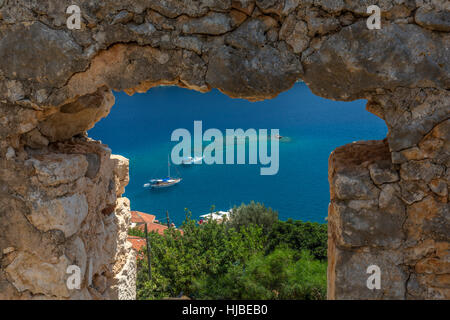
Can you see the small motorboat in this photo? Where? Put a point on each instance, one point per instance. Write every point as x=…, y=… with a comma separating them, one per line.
x=274, y=137
x=191, y=160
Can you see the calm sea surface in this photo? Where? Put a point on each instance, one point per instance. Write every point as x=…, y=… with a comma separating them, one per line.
x=140, y=127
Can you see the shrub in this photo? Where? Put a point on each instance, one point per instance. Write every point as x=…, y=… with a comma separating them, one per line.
x=237, y=260
x=298, y=235
x=279, y=275
x=253, y=214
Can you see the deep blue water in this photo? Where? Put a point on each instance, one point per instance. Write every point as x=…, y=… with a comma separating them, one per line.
x=139, y=127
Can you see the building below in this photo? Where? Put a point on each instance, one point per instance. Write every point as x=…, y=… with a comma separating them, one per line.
x=138, y=221
x=137, y=243
x=219, y=216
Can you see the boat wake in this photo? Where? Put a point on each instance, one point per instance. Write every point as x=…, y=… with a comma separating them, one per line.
x=190, y=160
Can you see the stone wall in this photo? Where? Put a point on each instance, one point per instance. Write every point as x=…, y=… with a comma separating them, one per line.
x=61, y=206
x=60, y=192
x=389, y=202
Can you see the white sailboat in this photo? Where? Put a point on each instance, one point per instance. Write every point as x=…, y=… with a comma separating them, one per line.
x=165, y=182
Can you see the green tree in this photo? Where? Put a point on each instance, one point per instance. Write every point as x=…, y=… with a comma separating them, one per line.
x=223, y=261
x=283, y=274
x=253, y=213
x=298, y=235
x=207, y=249
x=136, y=232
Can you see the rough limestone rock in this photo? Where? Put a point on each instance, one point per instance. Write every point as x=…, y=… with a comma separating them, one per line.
x=60, y=192
x=30, y=273
x=121, y=173
x=65, y=214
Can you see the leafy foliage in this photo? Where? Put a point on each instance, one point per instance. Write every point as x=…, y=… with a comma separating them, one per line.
x=279, y=275
x=253, y=214
x=136, y=232
x=298, y=235
x=237, y=261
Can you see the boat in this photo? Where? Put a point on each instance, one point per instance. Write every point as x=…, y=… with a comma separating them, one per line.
x=164, y=182
x=191, y=160
x=277, y=136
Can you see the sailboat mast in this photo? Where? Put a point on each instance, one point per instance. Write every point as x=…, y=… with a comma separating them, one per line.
x=168, y=165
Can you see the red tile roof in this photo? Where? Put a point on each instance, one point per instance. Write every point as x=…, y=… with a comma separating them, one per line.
x=155, y=227
x=141, y=217
x=152, y=225
x=137, y=242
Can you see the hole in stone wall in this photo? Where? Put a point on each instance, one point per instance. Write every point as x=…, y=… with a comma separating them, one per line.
x=139, y=127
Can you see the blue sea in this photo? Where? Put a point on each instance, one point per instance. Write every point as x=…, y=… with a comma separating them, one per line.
x=139, y=127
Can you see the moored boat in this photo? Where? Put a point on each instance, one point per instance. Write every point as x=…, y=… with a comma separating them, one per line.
x=164, y=182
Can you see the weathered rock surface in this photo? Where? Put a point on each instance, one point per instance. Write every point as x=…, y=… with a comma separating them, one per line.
x=77, y=117
x=65, y=214
x=72, y=216
x=391, y=210
x=398, y=55
x=60, y=191
x=434, y=20
x=30, y=273
x=121, y=173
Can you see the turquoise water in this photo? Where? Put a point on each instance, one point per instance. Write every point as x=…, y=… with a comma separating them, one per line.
x=140, y=127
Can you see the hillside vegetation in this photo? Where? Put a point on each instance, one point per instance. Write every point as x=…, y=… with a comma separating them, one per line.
x=253, y=256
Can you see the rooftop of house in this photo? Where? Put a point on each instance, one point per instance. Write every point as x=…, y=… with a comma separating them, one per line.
x=141, y=217
x=137, y=243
